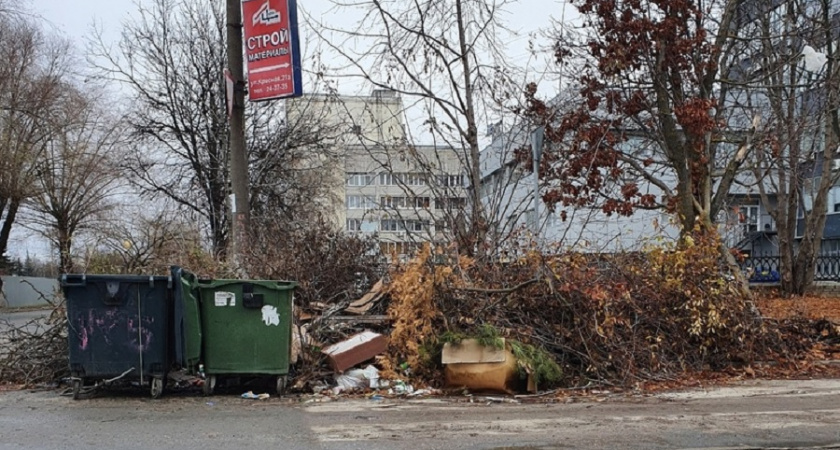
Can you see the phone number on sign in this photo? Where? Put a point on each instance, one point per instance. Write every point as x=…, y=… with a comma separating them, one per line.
x=281, y=87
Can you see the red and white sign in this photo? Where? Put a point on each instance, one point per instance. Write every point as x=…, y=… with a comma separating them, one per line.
x=270, y=34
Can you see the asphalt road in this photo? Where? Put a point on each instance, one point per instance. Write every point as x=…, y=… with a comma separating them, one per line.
x=17, y=318
x=803, y=414
x=27, y=320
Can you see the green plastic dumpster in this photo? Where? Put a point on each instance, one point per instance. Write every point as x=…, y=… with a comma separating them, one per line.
x=246, y=327
x=187, y=320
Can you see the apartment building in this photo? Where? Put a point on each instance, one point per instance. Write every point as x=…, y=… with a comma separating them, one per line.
x=382, y=184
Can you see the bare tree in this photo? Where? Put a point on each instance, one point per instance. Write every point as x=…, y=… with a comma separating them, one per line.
x=793, y=166
x=30, y=81
x=444, y=59
x=171, y=57
x=293, y=166
x=76, y=174
x=142, y=240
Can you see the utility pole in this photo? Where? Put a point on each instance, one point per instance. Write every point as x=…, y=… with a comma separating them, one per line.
x=240, y=206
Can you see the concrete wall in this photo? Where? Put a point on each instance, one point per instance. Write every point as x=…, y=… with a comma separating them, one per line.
x=28, y=291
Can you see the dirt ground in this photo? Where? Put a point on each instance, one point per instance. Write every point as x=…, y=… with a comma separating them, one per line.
x=811, y=306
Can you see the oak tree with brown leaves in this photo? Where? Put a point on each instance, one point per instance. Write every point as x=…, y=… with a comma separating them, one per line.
x=645, y=71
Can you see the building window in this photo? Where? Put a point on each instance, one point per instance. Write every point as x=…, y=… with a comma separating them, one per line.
x=389, y=202
x=396, y=179
x=420, y=202
x=354, y=225
x=398, y=248
x=359, y=179
x=416, y=225
x=415, y=179
x=393, y=202
x=388, y=179
x=834, y=199
x=389, y=225
x=451, y=180
x=450, y=203
x=748, y=218
x=360, y=202
x=830, y=247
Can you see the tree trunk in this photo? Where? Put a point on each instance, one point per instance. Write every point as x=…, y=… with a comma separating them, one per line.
x=6, y=228
x=786, y=259
x=477, y=228
x=65, y=260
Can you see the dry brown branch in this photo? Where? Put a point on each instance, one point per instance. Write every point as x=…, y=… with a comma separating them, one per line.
x=36, y=352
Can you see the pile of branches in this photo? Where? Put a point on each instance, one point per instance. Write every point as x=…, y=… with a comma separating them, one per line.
x=609, y=318
x=35, y=353
x=330, y=267
x=807, y=331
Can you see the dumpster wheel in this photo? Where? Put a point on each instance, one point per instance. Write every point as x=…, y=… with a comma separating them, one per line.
x=77, y=388
x=157, y=387
x=281, y=384
x=209, y=385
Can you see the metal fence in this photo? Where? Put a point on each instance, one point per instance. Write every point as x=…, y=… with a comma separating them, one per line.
x=766, y=268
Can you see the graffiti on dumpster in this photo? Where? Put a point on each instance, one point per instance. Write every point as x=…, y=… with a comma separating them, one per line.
x=270, y=316
x=105, y=328
x=140, y=332
x=99, y=325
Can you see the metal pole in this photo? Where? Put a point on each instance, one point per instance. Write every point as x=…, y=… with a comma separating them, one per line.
x=536, y=152
x=241, y=212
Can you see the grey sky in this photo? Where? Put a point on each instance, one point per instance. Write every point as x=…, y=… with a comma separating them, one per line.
x=75, y=19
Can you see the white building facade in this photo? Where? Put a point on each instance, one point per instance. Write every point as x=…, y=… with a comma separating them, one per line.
x=383, y=184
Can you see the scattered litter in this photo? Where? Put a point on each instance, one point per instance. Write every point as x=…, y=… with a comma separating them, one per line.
x=357, y=379
x=401, y=388
x=318, y=399
x=501, y=400
x=371, y=374
x=318, y=388
x=183, y=380
x=421, y=392
x=355, y=350
x=300, y=339
x=251, y=395
x=210, y=404
x=347, y=383
x=364, y=304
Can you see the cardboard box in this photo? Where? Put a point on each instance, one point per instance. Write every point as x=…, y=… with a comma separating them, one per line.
x=481, y=369
x=355, y=350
